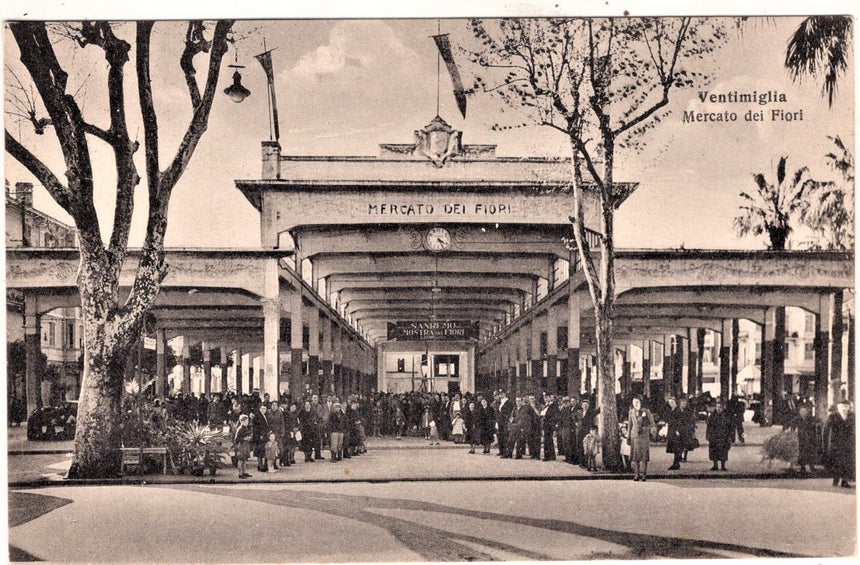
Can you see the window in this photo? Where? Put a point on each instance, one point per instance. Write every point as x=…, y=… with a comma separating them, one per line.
x=560, y=271
x=786, y=349
x=52, y=334
x=401, y=365
x=809, y=324
x=808, y=351
x=758, y=353
x=70, y=339
x=543, y=344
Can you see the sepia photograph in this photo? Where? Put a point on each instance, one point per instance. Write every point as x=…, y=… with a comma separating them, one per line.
x=271, y=282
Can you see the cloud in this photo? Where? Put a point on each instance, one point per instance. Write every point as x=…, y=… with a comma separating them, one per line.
x=349, y=55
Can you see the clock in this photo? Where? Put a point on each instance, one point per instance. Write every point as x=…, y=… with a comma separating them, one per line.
x=437, y=239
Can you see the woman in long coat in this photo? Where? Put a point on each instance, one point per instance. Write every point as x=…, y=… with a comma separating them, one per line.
x=719, y=435
x=308, y=427
x=474, y=425
x=681, y=433
x=807, y=438
x=641, y=423
x=488, y=424
x=291, y=426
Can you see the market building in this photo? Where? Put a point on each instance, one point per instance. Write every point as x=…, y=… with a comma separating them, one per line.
x=441, y=266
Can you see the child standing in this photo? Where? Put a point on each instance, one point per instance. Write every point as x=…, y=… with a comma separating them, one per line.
x=426, y=420
x=242, y=442
x=458, y=428
x=272, y=452
x=591, y=448
x=624, y=432
x=434, y=435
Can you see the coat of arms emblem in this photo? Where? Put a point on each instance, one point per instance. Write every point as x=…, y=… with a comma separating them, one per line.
x=438, y=141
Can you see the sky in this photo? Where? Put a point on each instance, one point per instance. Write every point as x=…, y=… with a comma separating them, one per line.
x=345, y=86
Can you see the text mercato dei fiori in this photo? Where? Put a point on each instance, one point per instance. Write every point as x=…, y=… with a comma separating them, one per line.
x=755, y=97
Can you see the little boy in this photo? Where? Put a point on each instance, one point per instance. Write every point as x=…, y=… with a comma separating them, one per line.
x=591, y=448
x=272, y=452
x=434, y=434
x=458, y=428
x=625, y=445
x=242, y=442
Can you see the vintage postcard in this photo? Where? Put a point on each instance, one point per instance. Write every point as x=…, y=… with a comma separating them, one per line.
x=552, y=288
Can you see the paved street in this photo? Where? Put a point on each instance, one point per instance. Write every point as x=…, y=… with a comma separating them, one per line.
x=436, y=521
x=407, y=501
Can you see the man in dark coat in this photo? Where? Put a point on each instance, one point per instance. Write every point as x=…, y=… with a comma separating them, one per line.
x=719, y=435
x=583, y=427
x=506, y=407
x=488, y=425
x=565, y=427
x=518, y=430
x=260, y=428
x=533, y=437
x=551, y=417
x=839, y=445
x=808, y=434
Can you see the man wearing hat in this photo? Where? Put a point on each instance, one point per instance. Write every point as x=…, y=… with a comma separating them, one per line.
x=550, y=421
x=506, y=408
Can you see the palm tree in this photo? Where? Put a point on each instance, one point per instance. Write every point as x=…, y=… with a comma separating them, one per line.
x=830, y=210
x=820, y=46
x=770, y=209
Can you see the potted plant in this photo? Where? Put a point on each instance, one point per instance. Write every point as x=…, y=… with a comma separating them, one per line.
x=201, y=448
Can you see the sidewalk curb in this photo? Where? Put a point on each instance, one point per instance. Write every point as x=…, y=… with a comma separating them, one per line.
x=153, y=480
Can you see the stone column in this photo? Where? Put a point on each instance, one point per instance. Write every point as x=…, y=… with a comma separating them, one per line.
x=733, y=383
x=574, y=376
x=684, y=357
x=327, y=359
x=237, y=369
x=834, y=304
x=725, y=359
x=536, y=382
x=850, y=356
x=314, y=349
x=522, y=361
x=207, y=370
x=186, y=366
x=770, y=363
x=270, y=374
x=160, y=362
x=297, y=387
x=32, y=352
x=668, y=367
x=678, y=367
x=224, y=354
x=700, y=359
x=646, y=368
x=822, y=341
x=552, y=350
x=337, y=358
x=693, y=363
x=626, y=373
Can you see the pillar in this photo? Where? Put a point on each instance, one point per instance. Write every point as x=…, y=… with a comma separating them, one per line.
x=223, y=387
x=522, y=361
x=552, y=350
x=271, y=370
x=296, y=346
x=574, y=376
x=678, y=367
x=626, y=373
x=327, y=362
x=237, y=369
x=314, y=349
x=834, y=303
x=850, y=356
x=770, y=362
x=32, y=352
x=186, y=366
x=337, y=358
x=536, y=382
x=207, y=370
x=684, y=362
x=693, y=363
x=160, y=362
x=668, y=367
x=725, y=359
x=700, y=359
x=646, y=368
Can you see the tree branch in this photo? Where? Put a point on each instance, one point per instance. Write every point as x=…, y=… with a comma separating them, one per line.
x=39, y=170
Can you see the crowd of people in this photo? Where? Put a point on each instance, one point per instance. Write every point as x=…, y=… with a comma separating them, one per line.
x=540, y=426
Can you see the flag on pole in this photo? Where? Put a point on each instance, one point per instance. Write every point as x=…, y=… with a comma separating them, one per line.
x=265, y=59
x=445, y=51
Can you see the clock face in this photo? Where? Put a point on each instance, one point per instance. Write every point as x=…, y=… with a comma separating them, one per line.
x=437, y=239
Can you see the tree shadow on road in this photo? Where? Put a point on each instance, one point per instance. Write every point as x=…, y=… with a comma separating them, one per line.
x=441, y=545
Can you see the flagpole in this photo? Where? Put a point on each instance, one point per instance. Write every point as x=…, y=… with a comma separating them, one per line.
x=438, y=65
